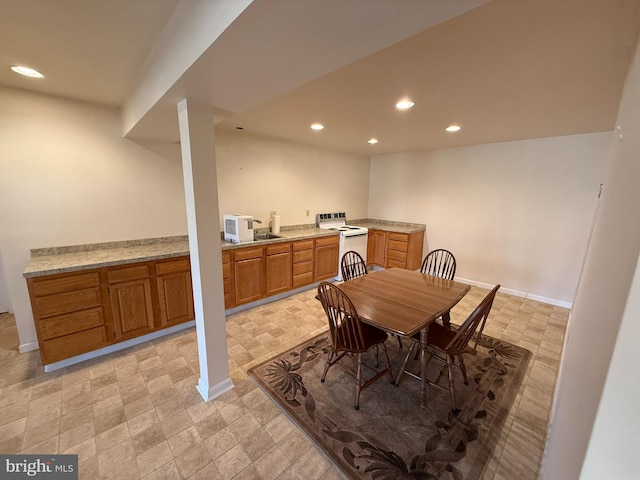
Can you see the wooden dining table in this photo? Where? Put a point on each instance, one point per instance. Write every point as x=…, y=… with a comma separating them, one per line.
x=404, y=302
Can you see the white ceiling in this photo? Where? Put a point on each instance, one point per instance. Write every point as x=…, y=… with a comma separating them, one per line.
x=504, y=70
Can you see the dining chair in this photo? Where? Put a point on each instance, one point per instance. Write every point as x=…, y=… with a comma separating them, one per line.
x=350, y=336
x=352, y=265
x=440, y=263
x=446, y=345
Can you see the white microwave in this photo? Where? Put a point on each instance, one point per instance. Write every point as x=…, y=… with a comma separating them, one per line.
x=238, y=228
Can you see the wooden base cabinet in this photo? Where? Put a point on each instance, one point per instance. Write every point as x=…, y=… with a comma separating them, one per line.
x=248, y=272
x=175, y=291
x=392, y=249
x=69, y=314
x=302, y=267
x=82, y=311
x=278, y=268
x=326, y=257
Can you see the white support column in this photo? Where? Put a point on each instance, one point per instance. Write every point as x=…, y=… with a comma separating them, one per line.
x=203, y=221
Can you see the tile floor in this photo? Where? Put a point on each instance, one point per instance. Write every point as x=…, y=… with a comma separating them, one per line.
x=136, y=413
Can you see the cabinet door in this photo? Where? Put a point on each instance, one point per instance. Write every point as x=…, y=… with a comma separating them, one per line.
x=278, y=268
x=249, y=279
x=278, y=273
x=132, y=308
x=377, y=247
x=175, y=296
x=326, y=262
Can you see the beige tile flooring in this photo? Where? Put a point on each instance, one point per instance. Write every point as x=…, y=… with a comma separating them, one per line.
x=136, y=413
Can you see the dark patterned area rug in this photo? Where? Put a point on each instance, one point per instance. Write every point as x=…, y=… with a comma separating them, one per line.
x=391, y=436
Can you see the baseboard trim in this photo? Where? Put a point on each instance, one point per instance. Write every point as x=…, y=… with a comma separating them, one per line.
x=116, y=347
x=518, y=293
x=209, y=393
x=28, y=347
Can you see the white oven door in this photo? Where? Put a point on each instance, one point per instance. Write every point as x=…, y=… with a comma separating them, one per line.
x=356, y=243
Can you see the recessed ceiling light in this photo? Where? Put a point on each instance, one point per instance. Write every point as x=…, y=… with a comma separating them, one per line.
x=453, y=128
x=317, y=126
x=26, y=71
x=404, y=104
x=372, y=141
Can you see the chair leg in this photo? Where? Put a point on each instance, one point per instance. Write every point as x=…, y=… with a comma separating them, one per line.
x=327, y=365
x=463, y=369
x=452, y=387
x=358, y=382
x=375, y=349
x=406, y=360
x=399, y=341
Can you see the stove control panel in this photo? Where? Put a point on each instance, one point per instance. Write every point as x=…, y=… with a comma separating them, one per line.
x=330, y=218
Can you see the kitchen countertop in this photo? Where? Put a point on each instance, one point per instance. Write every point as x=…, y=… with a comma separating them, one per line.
x=49, y=261
x=389, y=226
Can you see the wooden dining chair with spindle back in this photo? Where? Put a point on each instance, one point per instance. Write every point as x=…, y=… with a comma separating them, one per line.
x=350, y=336
x=352, y=266
x=451, y=345
x=440, y=263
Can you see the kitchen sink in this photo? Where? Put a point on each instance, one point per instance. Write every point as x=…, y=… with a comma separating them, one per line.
x=265, y=236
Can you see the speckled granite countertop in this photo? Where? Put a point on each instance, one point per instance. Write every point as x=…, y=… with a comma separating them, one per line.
x=49, y=261
x=398, y=227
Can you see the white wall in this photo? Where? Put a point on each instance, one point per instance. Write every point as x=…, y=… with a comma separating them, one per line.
x=515, y=213
x=67, y=177
x=603, y=301
x=257, y=175
x=614, y=442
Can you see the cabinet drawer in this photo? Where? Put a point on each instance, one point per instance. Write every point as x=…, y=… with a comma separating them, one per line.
x=180, y=265
x=396, y=245
x=248, y=253
x=65, y=284
x=302, y=256
x=399, y=237
x=302, y=267
x=396, y=263
x=228, y=285
x=117, y=275
x=226, y=256
x=71, y=323
x=74, y=344
x=322, y=241
x=68, y=302
x=226, y=270
x=396, y=255
x=302, y=279
x=303, y=245
x=278, y=248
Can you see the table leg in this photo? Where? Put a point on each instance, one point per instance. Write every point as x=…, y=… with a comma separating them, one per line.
x=423, y=366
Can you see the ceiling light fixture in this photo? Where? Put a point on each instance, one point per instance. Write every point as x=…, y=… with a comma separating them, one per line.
x=372, y=141
x=317, y=126
x=404, y=104
x=453, y=128
x=26, y=71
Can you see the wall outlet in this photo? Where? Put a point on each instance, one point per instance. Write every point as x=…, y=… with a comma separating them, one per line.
x=307, y=213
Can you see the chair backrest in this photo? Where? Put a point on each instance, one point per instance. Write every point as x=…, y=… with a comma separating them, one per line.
x=352, y=265
x=344, y=323
x=440, y=263
x=478, y=317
